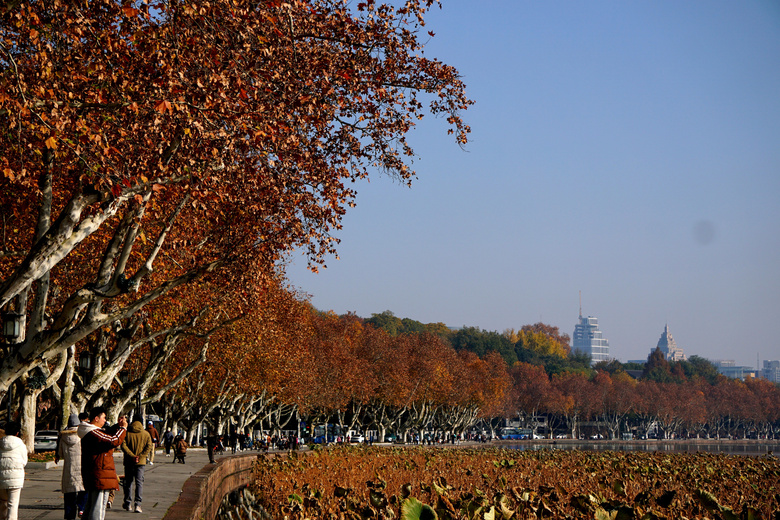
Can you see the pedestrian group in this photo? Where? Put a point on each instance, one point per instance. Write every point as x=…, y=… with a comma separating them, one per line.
x=89, y=478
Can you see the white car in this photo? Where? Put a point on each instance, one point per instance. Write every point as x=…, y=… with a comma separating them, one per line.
x=45, y=440
x=357, y=438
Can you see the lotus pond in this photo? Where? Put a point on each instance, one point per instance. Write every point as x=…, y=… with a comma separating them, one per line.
x=497, y=484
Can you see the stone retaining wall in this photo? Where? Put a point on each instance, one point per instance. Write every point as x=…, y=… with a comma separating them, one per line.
x=202, y=494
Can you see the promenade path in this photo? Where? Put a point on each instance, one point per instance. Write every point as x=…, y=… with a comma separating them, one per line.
x=42, y=497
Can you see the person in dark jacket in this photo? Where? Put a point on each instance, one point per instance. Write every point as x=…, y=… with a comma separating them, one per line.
x=168, y=441
x=97, y=460
x=179, y=449
x=137, y=448
x=211, y=445
x=155, y=440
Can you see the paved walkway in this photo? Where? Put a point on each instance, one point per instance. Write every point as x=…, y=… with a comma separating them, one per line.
x=42, y=497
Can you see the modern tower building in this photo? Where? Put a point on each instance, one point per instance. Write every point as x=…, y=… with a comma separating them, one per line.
x=588, y=338
x=670, y=349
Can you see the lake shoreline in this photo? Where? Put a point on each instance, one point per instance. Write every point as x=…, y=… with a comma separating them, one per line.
x=775, y=442
x=744, y=447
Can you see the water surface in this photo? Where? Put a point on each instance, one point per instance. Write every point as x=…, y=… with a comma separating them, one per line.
x=725, y=447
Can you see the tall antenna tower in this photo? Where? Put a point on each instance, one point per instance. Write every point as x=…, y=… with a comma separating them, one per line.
x=580, y=304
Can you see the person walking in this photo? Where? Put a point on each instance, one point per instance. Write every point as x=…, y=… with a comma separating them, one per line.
x=179, y=449
x=69, y=451
x=136, y=447
x=233, y=441
x=211, y=446
x=168, y=441
x=155, y=440
x=97, y=460
x=13, y=459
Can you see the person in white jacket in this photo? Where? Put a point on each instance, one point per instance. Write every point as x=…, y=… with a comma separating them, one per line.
x=13, y=459
x=69, y=450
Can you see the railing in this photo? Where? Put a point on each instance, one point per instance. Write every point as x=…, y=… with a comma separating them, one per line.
x=202, y=494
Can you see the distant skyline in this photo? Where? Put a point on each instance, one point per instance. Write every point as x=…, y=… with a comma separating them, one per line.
x=630, y=151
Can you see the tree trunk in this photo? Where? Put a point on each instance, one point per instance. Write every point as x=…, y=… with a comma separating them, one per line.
x=27, y=416
x=66, y=396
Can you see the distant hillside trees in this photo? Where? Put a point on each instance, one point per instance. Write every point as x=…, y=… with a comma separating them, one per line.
x=395, y=326
x=481, y=342
x=660, y=370
x=539, y=344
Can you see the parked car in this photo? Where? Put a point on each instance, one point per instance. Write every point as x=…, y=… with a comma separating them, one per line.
x=356, y=437
x=45, y=440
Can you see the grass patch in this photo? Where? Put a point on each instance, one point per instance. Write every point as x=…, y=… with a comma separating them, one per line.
x=44, y=456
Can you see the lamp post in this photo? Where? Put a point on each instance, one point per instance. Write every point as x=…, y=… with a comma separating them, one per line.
x=12, y=326
x=86, y=362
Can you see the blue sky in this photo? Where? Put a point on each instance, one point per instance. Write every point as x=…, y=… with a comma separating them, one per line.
x=628, y=150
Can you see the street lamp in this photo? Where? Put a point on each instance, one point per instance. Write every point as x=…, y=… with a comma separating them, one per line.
x=86, y=360
x=12, y=326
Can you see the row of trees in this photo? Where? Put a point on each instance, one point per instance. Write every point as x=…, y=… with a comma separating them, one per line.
x=159, y=158
x=678, y=398
x=325, y=368
x=285, y=363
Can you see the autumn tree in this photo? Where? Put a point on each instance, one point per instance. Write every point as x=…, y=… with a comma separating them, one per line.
x=494, y=384
x=767, y=406
x=551, y=340
x=614, y=399
x=542, y=344
x=340, y=383
x=151, y=145
x=693, y=406
x=252, y=368
x=390, y=365
x=530, y=385
x=573, y=405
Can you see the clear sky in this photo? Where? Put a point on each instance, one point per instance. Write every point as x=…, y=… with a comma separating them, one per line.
x=628, y=150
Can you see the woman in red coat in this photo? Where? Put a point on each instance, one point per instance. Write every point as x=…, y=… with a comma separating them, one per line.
x=97, y=461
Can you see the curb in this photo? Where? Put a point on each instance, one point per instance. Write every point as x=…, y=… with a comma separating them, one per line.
x=45, y=465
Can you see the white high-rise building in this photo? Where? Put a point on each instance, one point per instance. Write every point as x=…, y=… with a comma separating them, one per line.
x=668, y=346
x=588, y=338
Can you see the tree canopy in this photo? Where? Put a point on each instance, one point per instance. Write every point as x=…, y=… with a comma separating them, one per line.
x=150, y=146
